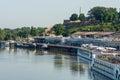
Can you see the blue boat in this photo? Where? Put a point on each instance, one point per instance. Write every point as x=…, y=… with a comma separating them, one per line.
x=2, y=44
x=21, y=45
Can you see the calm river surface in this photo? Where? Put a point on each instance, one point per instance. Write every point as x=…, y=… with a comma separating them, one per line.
x=23, y=64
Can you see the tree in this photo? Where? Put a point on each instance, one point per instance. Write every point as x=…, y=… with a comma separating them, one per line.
x=41, y=30
x=74, y=17
x=98, y=13
x=82, y=17
x=119, y=15
x=34, y=31
x=58, y=29
x=104, y=14
x=112, y=14
x=2, y=34
x=8, y=37
x=66, y=33
x=24, y=32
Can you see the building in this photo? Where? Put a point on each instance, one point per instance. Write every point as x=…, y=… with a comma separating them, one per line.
x=93, y=35
x=50, y=40
x=69, y=23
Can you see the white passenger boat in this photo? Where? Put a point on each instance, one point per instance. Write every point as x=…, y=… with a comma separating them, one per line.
x=107, y=65
x=88, y=51
x=104, y=60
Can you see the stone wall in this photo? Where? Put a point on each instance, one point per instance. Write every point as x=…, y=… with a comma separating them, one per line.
x=82, y=23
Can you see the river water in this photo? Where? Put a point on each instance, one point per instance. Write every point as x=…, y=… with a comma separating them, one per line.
x=24, y=64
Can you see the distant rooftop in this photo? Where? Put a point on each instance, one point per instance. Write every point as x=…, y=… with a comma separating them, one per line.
x=93, y=33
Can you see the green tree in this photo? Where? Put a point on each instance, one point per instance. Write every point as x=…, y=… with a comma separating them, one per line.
x=98, y=13
x=112, y=14
x=119, y=15
x=82, y=17
x=104, y=14
x=66, y=33
x=58, y=29
x=24, y=32
x=34, y=31
x=2, y=34
x=74, y=17
x=41, y=30
x=8, y=36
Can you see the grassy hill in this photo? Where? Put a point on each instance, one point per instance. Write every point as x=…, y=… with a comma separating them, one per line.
x=114, y=27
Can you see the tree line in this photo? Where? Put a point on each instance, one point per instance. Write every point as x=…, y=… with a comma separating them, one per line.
x=20, y=33
x=103, y=14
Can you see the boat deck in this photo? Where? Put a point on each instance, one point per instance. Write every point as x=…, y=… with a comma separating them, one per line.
x=111, y=59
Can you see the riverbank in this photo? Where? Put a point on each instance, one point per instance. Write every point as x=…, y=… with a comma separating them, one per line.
x=88, y=52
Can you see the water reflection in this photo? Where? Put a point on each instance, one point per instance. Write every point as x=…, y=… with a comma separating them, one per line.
x=73, y=64
x=92, y=74
x=58, y=61
x=37, y=65
x=97, y=76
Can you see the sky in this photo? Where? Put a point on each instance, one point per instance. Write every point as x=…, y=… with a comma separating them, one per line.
x=45, y=13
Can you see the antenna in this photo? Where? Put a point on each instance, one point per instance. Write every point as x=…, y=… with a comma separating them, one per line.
x=80, y=11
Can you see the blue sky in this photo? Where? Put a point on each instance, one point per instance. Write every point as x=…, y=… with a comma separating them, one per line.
x=44, y=13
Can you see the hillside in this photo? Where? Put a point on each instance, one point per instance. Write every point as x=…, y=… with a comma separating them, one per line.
x=114, y=27
x=99, y=19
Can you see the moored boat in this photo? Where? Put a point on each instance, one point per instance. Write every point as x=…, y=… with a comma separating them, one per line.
x=24, y=45
x=44, y=47
x=107, y=65
x=2, y=44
